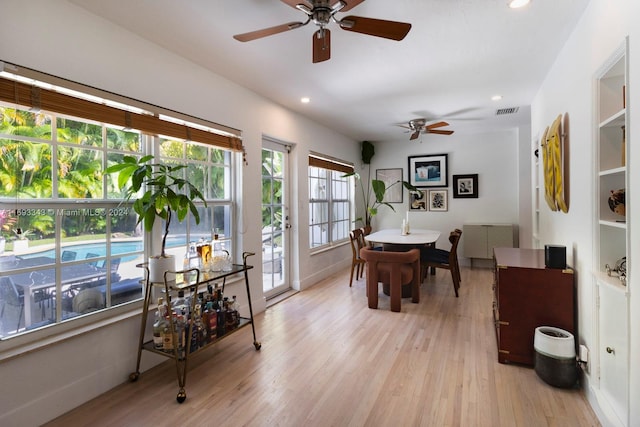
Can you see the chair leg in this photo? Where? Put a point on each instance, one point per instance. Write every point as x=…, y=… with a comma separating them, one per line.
x=454, y=279
x=20, y=317
x=353, y=267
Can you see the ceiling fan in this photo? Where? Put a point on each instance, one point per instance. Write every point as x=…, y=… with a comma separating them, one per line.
x=417, y=126
x=322, y=12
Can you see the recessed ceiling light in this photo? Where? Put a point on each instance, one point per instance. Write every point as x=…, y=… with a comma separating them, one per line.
x=514, y=4
x=305, y=100
x=496, y=97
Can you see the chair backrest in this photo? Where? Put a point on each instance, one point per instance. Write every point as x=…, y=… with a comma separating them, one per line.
x=68, y=255
x=9, y=292
x=373, y=256
x=454, y=238
x=357, y=241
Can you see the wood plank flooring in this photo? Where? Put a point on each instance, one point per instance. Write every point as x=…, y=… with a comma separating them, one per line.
x=329, y=360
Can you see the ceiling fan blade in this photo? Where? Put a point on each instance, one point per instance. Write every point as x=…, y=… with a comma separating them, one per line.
x=440, y=132
x=253, y=35
x=349, y=4
x=294, y=3
x=376, y=27
x=437, y=125
x=321, y=45
x=414, y=135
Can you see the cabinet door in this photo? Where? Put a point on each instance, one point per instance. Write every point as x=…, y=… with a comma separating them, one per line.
x=614, y=350
x=499, y=236
x=475, y=241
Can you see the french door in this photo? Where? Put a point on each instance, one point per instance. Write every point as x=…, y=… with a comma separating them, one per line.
x=275, y=218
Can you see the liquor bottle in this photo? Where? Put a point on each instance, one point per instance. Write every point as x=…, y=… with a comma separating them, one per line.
x=212, y=325
x=159, y=324
x=167, y=337
x=180, y=328
x=235, y=308
x=196, y=325
x=222, y=317
x=179, y=305
x=228, y=316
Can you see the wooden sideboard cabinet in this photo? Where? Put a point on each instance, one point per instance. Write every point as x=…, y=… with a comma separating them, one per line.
x=528, y=295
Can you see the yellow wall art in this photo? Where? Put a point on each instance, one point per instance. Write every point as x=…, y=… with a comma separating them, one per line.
x=555, y=162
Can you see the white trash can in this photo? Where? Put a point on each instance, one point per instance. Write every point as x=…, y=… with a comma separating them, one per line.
x=555, y=356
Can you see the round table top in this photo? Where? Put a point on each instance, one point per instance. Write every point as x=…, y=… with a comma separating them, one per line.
x=394, y=236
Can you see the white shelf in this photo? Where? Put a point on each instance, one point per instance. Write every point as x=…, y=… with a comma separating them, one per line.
x=611, y=282
x=616, y=120
x=615, y=224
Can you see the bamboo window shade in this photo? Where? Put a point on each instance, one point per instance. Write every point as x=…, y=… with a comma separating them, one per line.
x=327, y=163
x=35, y=97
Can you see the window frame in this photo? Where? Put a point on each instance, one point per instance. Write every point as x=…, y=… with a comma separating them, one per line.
x=335, y=170
x=16, y=344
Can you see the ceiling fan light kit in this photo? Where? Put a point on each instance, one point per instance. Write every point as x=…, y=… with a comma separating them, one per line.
x=514, y=4
x=322, y=13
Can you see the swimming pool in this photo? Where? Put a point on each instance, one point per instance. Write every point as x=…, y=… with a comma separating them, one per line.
x=96, y=250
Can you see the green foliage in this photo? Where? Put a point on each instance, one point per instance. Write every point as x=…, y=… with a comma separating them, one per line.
x=368, y=150
x=165, y=191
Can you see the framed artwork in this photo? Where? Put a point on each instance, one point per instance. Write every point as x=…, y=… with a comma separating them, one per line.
x=465, y=186
x=393, y=194
x=428, y=170
x=438, y=200
x=418, y=200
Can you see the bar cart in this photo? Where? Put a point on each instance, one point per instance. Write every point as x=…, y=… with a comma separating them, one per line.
x=190, y=280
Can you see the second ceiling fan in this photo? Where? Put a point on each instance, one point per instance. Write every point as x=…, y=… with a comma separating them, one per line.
x=321, y=13
x=418, y=126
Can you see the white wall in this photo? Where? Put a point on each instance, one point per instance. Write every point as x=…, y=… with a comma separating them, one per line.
x=568, y=88
x=493, y=156
x=58, y=38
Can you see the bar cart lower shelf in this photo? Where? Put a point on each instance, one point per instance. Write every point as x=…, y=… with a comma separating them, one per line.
x=192, y=284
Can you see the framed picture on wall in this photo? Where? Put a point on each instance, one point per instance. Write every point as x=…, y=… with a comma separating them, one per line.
x=428, y=170
x=465, y=186
x=438, y=200
x=418, y=200
x=393, y=194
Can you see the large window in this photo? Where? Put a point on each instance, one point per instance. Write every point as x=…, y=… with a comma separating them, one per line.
x=329, y=201
x=68, y=245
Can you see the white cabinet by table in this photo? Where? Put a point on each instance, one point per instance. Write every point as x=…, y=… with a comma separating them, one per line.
x=480, y=239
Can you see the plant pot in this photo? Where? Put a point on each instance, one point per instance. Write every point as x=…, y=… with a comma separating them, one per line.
x=3, y=244
x=20, y=246
x=158, y=265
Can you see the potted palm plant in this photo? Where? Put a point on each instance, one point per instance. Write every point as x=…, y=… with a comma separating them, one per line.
x=373, y=196
x=165, y=193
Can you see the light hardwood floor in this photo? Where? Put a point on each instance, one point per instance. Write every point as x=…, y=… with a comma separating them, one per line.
x=329, y=360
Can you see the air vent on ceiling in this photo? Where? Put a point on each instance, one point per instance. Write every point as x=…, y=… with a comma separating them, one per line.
x=510, y=110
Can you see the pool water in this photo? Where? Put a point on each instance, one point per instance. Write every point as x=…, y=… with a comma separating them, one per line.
x=100, y=249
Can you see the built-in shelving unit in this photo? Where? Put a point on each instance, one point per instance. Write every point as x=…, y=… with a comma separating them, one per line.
x=610, y=367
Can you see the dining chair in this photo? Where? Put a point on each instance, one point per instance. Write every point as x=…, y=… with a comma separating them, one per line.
x=10, y=294
x=439, y=258
x=356, y=239
x=395, y=269
x=91, y=255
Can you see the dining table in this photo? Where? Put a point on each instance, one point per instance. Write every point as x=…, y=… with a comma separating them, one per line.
x=393, y=236
x=44, y=279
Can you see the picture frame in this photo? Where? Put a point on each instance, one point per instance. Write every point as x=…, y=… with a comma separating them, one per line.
x=438, y=200
x=394, y=193
x=428, y=170
x=465, y=186
x=418, y=201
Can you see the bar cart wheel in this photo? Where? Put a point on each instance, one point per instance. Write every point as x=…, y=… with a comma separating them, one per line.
x=257, y=345
x=133, y=377
x=182, y=396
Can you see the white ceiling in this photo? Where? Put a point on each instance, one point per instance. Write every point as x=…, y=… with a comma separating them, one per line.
x=457, y=55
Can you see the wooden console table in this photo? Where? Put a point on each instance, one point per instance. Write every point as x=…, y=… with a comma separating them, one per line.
x=528, y=295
